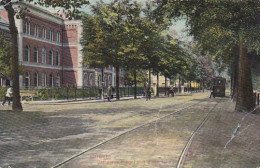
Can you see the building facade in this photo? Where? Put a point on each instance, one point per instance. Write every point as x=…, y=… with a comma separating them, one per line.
x=50, y=51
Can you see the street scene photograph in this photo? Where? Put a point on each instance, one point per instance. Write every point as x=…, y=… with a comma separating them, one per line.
x=130, y=84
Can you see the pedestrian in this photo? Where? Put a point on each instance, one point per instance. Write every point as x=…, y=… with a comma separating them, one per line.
x=148, y=93
x=8, y=96
x=211, y=92
x=109, y=93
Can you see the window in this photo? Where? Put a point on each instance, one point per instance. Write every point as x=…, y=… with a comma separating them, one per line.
x=50, y=57
x=58, y=80
x=43, y=80
x=27, y=28
x=51, y=80
x=35, y=80
x=27, y=79
x=44, y=33
x=99, y=80
x=35, y=54
x=51, y=34
x=91, y=79
x=58, y=37
x=43, y=56
x=85, y=79
x=57, y=58
x=109, y=79
x=36, y=30
x=27, y=53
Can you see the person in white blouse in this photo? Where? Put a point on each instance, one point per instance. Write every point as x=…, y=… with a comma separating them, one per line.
x=8, y=96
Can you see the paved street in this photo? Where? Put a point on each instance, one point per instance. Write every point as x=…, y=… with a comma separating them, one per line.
x=130, y=133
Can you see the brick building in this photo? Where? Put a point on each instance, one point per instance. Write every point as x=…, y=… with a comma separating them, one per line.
x=50, y=51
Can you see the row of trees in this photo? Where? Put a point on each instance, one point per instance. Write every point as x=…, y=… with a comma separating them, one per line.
x=125, y=34
x=227, y=30
x=122, y=34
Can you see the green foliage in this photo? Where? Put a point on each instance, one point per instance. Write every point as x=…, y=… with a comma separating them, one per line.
x=5, y=59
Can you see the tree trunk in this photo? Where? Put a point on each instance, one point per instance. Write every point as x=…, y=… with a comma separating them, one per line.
x=102, y=84
x=157, y=87
x=135, y=83
x=165, y=85
x=17, y=106
x=117, y=83
x=234, y=73
x=149, y=79
x=179, y=84
x=245, y=100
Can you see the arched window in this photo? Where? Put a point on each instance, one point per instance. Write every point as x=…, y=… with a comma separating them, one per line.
x=35, y=80
x=91, y=79
x=85, y=79
x=27, y=79
x=58, y=80
x=99, y=80
x=43, y=80
x=27, y=53
x=35, y=54
x=44, y=33
x=28, y=28
x=105, y=81
x=57, y=58
x=109, y=79
x=43, y=56
x=50, y=57
x=51, y=80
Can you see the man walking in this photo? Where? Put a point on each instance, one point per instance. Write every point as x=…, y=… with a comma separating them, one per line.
x=148, y=93
x=109, y=93
x=8, y=96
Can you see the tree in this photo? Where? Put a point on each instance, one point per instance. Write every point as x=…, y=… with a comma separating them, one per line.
x=223, y=26
x=72, y=10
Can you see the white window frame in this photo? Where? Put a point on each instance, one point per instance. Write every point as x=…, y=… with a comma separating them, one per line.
x=44, y=33
x=51, y=79
x=57, y=58
x=29, y=53
x=37, y=57
x=58, y=36
x=36, y=30
x=29, y=78
x=58, y=80
x=44, y=79
x=51, y=34
x=50, y=62
x=37, y=84
x=44, y=56
x=27, y=27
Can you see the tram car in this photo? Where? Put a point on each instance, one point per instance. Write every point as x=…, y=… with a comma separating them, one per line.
x=219, y=87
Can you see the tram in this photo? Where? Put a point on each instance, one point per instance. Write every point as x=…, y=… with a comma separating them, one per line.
x=219, y=87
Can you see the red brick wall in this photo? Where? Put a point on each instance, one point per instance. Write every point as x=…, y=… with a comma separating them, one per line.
x=70, y=56
x=41, y=22
x=40, y=71
x=70, y=77
x=70, y=34
x=40, y=45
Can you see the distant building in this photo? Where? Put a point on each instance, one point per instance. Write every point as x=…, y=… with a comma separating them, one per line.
x=50, y=51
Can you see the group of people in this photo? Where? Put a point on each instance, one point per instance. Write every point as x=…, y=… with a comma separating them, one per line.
x=8, y=96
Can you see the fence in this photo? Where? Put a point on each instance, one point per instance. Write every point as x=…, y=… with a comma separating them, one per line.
x=69, y=93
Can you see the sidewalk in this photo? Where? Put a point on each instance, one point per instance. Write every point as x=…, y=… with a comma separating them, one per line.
x=75, y=101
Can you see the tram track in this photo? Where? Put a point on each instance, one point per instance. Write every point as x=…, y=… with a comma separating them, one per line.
x=124, y=133
x=182, y=157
